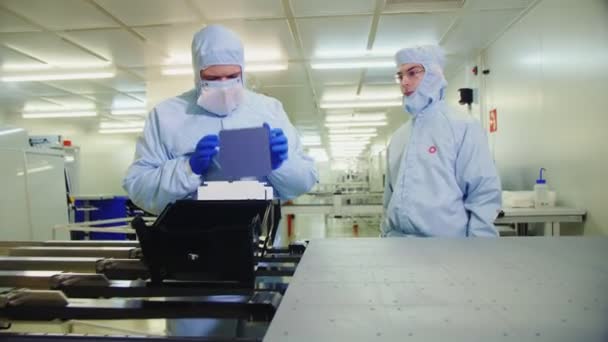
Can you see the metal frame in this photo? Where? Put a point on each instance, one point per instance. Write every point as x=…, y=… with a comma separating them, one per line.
x=11, y=337
x=256, y=306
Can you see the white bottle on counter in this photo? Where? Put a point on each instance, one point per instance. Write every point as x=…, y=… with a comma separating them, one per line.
x=541, y=191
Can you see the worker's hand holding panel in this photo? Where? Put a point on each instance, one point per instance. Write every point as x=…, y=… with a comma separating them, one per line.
x=278, y=146
x=204, y=152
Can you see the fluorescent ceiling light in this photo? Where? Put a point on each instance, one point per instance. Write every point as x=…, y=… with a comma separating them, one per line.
x=26, y=67
x=318, y=154
x=350, y=137
x=347, y=151
x=265, y=67
x=354, y=53
x=58, y=76
x=11, y=131
x=44, y=115
x=335, y=131
x=345, y=155
x=311, y=140
x=352, y=64
x=121, y=124
x=359, y=142
x=254, y=67
x=346, y=146
x=35, y=108
x=349, y=143
x=41, y=66
x=361, y=104
x=251, y=55
x=337, y=155
x=356, y=117
x=129, y=111
x=120, y=130
x=355, y=124
x=177, y=71
x=350, y=160
x=339, y=166
x=262, y=54
x=390, y=96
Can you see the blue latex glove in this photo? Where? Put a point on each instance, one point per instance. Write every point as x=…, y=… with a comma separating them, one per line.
x=278, y=146
x=205, y=150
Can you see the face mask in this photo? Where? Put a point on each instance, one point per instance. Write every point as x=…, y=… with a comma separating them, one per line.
x=415, y=103
x=221, y=97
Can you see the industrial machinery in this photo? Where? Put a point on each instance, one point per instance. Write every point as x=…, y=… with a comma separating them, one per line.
x=182, y=267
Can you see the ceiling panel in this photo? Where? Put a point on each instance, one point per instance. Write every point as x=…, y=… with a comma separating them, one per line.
x=150, y=12
x=80, y=86
x=140, y=72
x=141, y=96
x=10, y=107
x=71, y=101
x=294, y=99
x=38, y=89
x=381, y=75
x=294, y=75
x=320, y=35
x=476, y=29
x=40, y=104
x=103, y=100
x=265, y=40
x=496, y=4
x=10, y=23
x=175, y=40
x=337, y=93
x=11, y=98
x=305, y=121
x=334, y=7
x=336, y=77
x=63, y=14
x=341, y=26
x=123, y=82
x=8, y=56
x=398, y=31
x=119, y=46
x=388, y=91
x=48, y=47
x=238, y=9
x=121, y=100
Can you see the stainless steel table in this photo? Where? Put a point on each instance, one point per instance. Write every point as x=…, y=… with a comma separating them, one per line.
x=551, y=217
x=412, y=289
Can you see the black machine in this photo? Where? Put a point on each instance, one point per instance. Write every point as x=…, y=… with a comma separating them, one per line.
x=211, y=259
x=212, y=241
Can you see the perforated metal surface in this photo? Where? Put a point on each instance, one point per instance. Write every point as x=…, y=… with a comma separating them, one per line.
x=508, y=289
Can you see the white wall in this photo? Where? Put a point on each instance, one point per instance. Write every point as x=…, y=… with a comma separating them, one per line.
x=104, y=158
x=549, y=82
x=377, y=170
x=464, y=78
